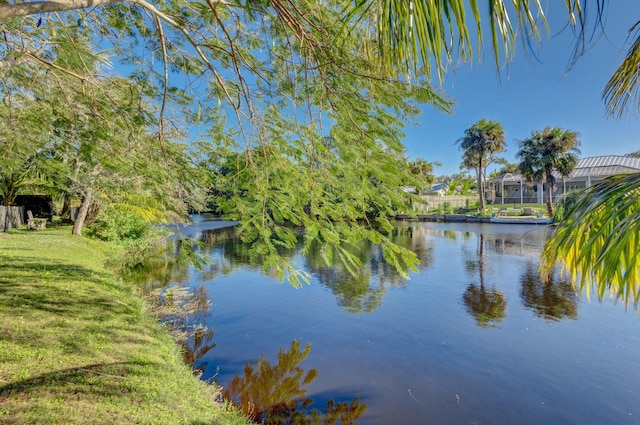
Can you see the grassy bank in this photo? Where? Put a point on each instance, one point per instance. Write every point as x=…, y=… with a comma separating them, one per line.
x=79, y=347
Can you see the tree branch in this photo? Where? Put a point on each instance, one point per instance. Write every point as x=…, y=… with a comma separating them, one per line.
x=32, y=8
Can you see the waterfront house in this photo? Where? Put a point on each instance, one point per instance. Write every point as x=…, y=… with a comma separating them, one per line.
x=513, y=188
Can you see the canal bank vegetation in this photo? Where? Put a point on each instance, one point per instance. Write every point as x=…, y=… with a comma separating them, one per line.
x=79, y=346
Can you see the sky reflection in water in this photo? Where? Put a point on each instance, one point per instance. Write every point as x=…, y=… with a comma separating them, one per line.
x=474, y=337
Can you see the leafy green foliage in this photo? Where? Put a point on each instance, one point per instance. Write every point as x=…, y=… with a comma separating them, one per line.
x=118, y=226
x=303, y=130
x=327, y=160
x=90, y=142
x=445, y=208
x=23, y=141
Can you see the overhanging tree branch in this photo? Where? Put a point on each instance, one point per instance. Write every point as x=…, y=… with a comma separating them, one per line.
x=32, y=8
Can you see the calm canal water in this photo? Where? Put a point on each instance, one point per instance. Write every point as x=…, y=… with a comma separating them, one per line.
x=473, y=338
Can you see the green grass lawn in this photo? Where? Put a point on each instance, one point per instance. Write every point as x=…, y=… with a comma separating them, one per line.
x=79, y=347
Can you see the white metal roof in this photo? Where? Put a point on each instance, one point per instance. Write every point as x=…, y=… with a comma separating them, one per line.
x=591, y=166
x=609, y=161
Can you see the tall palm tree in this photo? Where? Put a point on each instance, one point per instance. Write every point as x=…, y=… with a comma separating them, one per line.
x=548, y=151
x=482, y=140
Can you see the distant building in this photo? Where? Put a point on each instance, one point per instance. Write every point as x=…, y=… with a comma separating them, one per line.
x=437, y=189
x=513, y=188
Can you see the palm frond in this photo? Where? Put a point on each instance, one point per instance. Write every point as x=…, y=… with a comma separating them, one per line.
x=623, y=86
x=598, y=240
x=433, y=35
x=146, y=207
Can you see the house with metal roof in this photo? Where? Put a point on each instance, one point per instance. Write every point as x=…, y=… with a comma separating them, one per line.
x=513, y=188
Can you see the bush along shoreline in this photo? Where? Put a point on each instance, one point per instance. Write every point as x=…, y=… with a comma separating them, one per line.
x=79, y=345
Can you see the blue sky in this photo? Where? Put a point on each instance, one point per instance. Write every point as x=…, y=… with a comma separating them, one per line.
x=534, y=94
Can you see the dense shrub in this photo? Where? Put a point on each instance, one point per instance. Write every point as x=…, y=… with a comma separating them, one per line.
x=445, y=208
x=118, y=226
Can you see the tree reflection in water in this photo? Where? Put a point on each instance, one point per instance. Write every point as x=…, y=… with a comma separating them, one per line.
x=487, y=305
x=362, y=291
x=183, y=311
x=163, y=264
x=275, y=394
x=548, y=298
x=357, y=290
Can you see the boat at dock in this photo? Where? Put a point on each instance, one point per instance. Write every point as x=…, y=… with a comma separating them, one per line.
x=521, y=220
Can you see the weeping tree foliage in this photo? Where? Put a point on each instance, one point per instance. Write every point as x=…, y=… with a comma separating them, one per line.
x=23, y=141
x=88, y=142
x=601, y=253
x=307, y=128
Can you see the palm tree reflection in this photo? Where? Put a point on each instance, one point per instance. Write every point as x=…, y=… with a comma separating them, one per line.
x=487, y=305
x=275, y=394
x=548, y=298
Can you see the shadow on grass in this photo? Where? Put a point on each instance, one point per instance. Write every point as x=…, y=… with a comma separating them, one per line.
x=59, y=288
x=96, y=379
x=13, y=267
x=86, y=394
x=91, y=382
x=72, y=308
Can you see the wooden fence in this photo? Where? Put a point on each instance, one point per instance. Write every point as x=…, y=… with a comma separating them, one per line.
x=11, y=217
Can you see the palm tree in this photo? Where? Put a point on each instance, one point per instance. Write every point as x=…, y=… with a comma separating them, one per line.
x=548, y=151
x=424, y=170
x=507, y=167
x=482, y=140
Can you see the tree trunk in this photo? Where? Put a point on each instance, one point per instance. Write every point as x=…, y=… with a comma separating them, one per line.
x=9, y=192
x=550, y=195
x=87, y=199
x=479, y=183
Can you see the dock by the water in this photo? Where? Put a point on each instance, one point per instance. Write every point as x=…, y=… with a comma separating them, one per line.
x=462, y=218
